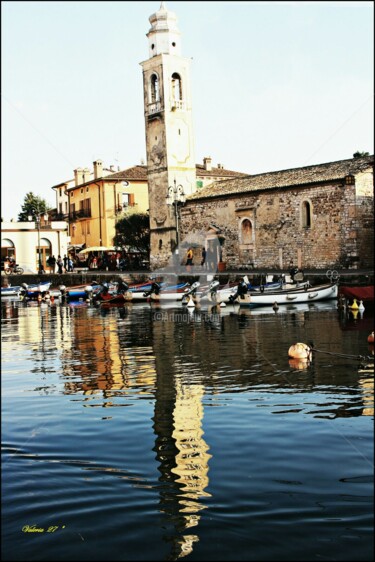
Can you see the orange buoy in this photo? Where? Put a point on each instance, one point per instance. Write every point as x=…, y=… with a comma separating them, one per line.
x=300, y=351
x=299, y=364
x=370, y=339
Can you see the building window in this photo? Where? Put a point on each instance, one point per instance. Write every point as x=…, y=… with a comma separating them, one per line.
x=155, y=92
x=306, y=214
x=246, y=231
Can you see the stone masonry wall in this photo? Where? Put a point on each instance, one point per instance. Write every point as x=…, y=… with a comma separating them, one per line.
x=278, y=234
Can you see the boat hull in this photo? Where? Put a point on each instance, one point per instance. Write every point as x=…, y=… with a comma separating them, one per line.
x=364, y=294
x=290, y=296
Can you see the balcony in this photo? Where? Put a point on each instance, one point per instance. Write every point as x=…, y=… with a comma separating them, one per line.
x=80, y=214
x=177, y=104
x=154, y=108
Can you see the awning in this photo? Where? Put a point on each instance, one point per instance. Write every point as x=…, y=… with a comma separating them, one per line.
x=97, y=249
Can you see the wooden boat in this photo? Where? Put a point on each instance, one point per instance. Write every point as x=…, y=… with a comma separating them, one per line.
x=119, y=298
x=33, y=291
x=141, y=291
x=168, y=293
x=10, y=291
x=289, y=296
x=360, y=293
x=225, y=294
x=17, y=289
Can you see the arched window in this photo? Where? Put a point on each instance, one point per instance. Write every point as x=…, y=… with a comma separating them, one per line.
x=246, y=231
x=7, y=248
x=176, y=87
x=306, y=214
x=154, y=89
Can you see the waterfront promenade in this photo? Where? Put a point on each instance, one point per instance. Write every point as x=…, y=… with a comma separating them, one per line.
x=352, y=276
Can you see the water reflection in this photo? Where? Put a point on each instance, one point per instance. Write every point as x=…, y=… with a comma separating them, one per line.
x=180, y=449
x=181, y=363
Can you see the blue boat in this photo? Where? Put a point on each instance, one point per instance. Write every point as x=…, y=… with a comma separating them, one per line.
x=18, y=290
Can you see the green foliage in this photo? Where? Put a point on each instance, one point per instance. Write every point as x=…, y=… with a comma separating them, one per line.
x=359, y=154
x=133, y=231
x=33, y=205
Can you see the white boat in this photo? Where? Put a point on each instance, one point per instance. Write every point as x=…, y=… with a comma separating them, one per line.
x=10, y=291
x=226, y=294
x=289, y=296
x=290, y=308
x=170, y=294
x=17, y=290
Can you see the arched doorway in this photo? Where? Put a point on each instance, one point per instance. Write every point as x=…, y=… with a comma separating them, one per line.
x=45, y=252
x=7, y=250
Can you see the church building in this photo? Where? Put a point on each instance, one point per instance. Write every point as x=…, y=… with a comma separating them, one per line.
x=318, y=216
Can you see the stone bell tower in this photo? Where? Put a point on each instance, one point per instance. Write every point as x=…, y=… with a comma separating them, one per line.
x=169, y=131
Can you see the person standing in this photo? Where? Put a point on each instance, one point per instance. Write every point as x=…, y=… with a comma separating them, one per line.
x=204, y=253
x=51, y=263
x=189, y=259
x=70, y=264
x=65, y=260
x=60, y=265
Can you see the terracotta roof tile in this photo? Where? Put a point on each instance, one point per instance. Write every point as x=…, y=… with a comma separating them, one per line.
x=138, y=172
x=286, y=178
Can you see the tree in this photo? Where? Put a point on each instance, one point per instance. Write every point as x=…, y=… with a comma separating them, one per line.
x=359, y=154
x=133, y=231
x=32, y=205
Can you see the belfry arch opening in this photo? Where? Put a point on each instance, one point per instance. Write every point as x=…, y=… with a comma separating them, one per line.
x=154, y=88
x=176, y=87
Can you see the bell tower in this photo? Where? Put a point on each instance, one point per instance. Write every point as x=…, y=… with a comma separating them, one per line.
x=169, y=132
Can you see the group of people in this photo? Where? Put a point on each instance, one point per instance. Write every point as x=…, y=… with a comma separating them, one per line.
x=208, y=259
x=64, y=265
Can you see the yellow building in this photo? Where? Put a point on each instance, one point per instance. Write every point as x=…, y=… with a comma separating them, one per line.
x=98, y=200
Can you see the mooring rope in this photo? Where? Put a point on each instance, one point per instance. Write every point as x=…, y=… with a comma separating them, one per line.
x=347, y=356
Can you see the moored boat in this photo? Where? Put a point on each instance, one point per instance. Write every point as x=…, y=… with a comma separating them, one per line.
x=34, y=291
x=169, y=292
x=18, y=289
x=289, y=296
x=363, y=293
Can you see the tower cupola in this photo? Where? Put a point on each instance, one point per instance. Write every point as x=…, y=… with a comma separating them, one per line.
x=164, y=36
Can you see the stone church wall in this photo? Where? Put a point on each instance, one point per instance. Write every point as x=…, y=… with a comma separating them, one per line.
x=338, y=235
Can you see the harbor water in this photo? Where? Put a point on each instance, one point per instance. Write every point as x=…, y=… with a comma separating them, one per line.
x=153, y=433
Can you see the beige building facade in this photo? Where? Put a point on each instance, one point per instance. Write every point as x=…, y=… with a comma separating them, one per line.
x=24, y=241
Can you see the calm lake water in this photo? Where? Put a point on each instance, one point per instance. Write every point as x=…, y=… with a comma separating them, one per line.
x=151, y=433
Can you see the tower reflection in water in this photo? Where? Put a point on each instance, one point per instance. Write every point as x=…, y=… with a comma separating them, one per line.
x=115, y=362
x=180, y=448
x=183, y=457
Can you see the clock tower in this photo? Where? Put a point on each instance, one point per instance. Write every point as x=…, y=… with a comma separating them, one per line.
x=169, y=133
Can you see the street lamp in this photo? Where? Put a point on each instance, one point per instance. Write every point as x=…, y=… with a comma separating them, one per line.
x=37, y=218
x=176, y=197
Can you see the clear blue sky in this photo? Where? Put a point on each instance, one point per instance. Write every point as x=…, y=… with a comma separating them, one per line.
x=275, y=85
